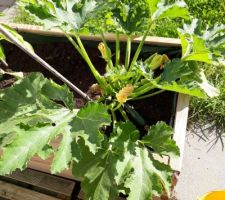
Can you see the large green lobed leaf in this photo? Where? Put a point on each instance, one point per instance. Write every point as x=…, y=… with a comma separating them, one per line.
x=185, y=77
x=162, y=9
x=66, y=14
x=16, y=36
x=31, y=116
x=123, y=163
x=203, y=45
x=159, y=139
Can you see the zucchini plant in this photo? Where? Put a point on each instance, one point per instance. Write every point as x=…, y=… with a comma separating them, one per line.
x=106, y=151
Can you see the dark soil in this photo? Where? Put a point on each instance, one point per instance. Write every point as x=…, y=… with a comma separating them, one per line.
x=68, y=62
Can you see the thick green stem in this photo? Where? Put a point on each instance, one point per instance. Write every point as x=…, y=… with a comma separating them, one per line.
x=138, y=51
x=84, y=54
x=117, y=107
x=142, y=82
x=108, y=53
x=142, y=92
x=114, y=119
x=74, y=44
x=137, y=79
x=128, y=52
x=123, y=113
x=117, y=49
x=148, y=95
x=143, y=87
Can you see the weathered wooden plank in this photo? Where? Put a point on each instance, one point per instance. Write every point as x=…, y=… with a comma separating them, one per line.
x=13, y=192
x=44, y=181
x=38, y=164
x=180, y=127
x=45, y=165
x=160, y=41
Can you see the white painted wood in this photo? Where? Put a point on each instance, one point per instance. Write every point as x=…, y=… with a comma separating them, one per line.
x=160, y=41
x=180, y=127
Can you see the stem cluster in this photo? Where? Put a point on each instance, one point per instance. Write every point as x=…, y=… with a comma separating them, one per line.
x=142, y=86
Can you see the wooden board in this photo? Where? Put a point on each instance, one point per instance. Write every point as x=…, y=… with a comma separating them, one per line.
x=44, y=182
x=45, y=165
x=26, y=185
x=39, y=30
x=14, y=192
x=180, y=127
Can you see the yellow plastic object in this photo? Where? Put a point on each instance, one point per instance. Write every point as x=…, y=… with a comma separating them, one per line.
x=214, y=195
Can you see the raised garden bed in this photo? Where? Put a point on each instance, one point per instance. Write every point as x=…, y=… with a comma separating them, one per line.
x=119, y=134
x=173, y=111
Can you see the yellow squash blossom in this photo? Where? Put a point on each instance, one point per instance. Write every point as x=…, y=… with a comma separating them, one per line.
x=124, y=93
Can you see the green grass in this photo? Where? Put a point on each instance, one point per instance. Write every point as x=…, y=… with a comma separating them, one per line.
x=209, y=11
x=166, y=28
x=24, y=18
x=211, y=110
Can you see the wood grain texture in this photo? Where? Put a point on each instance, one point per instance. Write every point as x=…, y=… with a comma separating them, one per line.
x=44, y=181
x=13, y=192
x=45, y=165
x=180, y=129
x=160, y=41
